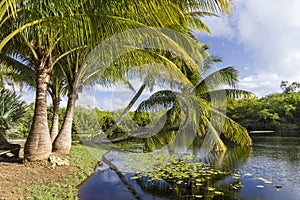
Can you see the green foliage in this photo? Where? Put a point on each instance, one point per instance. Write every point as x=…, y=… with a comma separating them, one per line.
x=294, y=87
x=26, y=122
x=12, y=109
x=105, y=119
x=85, y=122
x=274, y=112
x=141, y=118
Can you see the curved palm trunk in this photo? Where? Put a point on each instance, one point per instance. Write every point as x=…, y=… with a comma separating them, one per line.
x=54, y=128
x=126, y=110
x=62, y=143
x=38, y=144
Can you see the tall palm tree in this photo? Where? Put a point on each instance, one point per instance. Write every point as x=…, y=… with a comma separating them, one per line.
x=21, y=72
x=36, y=45
x=56, y=88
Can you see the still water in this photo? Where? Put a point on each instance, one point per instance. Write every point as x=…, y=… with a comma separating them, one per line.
x=274, y=157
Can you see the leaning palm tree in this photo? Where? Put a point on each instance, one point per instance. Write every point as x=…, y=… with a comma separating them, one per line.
x=199, y=111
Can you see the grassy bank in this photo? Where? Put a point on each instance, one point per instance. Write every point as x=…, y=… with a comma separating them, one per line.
x=83, y=164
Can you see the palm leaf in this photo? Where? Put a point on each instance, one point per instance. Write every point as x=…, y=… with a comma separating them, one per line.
x=224, y=95
x=222, y=77
x=19, y=67
x=233, y=131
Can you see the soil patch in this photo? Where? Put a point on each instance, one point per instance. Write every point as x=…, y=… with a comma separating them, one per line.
x=16, y=177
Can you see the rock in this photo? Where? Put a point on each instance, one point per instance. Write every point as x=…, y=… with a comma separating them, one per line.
x=57, y=161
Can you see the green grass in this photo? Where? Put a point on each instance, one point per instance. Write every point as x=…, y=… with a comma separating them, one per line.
x=81, y=157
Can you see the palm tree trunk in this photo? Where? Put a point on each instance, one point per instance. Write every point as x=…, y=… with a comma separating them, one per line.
x=62, y=143
x=38, y=144
x=126, y=110
x=54, y=128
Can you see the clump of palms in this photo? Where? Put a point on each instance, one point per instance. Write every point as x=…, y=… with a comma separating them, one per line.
x=64, y=27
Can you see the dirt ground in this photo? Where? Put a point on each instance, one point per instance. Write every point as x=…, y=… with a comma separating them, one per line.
x=16, y=176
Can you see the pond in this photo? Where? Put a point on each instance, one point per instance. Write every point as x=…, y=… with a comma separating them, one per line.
x=268, y=170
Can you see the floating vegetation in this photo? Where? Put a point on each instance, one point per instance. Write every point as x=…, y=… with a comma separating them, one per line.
x=265, y=180
x=181, y=175
x=237, y=185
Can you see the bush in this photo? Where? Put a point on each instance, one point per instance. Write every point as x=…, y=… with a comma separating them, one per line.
x=12, y=109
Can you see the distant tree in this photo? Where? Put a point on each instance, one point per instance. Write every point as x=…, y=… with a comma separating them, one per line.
x=286, y=88
x=279, y=111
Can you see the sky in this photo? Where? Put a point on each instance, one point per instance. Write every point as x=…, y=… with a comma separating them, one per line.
x=262, y=39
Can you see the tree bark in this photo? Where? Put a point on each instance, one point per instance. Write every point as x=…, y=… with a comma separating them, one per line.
x=62, y=143
x=38, y=144
x=54, y=128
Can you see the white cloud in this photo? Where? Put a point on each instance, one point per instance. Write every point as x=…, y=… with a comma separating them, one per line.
x=220, y=26
x=87, y=98
x=269, y=31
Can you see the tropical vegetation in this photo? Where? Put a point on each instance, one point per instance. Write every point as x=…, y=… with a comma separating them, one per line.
x=274, y=112
x=12, y=110
x=46, y=35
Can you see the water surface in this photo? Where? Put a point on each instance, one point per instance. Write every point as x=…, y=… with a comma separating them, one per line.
x=274, y=157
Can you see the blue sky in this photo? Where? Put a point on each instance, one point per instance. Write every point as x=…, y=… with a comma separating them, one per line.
x=261, y=38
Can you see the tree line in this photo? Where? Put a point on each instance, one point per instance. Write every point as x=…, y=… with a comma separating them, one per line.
x=279, y=111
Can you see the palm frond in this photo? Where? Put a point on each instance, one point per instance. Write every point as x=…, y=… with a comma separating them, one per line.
x=160, y=100
x=197, y=24
x=7, y=7
x=222, y=95
x=129, y=46
x=233, y=131
x=20, y=68
x=222, y=77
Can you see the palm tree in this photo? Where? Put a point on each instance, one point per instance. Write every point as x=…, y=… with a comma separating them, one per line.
x=199, y=111
x=40, y=41
x=21, y=72
x=56, y=88
x=196, y=110
x=62, y=143
x=36, y=45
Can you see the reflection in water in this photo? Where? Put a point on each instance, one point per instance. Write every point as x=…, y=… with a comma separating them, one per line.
x=272, y=157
